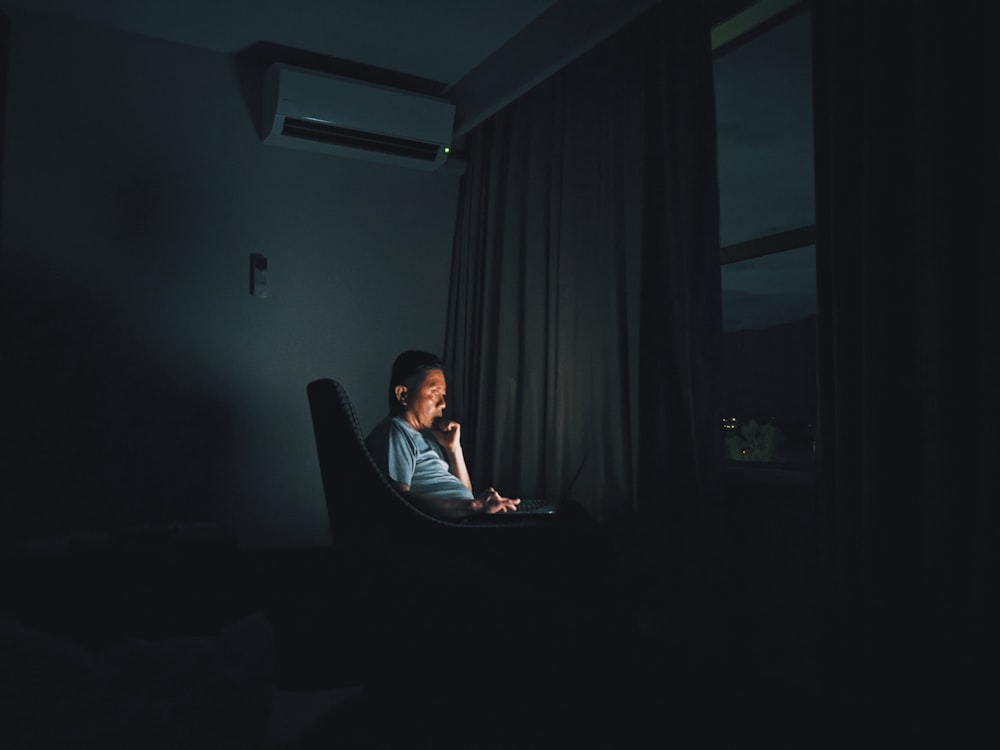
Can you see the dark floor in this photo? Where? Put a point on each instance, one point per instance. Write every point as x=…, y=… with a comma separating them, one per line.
x=609, y=646
x=637, y=660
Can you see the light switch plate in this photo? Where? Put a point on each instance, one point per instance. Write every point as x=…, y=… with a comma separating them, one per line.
x=258, y=275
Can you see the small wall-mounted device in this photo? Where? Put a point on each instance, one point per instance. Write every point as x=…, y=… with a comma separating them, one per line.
x=258, y=275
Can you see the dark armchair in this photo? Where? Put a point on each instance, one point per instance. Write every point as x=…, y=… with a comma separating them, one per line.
x=360, y=499
x=421, y=581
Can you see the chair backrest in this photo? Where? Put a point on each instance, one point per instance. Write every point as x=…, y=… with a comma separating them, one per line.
x=356, y=490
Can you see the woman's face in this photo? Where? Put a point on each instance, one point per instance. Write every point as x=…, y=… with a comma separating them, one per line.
x=426, y=402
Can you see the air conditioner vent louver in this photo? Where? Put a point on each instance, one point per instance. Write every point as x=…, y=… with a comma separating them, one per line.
x=323, y=133
x=316, y=111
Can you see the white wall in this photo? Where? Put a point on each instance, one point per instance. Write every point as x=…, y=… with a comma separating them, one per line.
x=135, y=188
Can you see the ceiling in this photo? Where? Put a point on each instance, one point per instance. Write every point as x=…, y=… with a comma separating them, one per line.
x=440, y=40
x=480, y=54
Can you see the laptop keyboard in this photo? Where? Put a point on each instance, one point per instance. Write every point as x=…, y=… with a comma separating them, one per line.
x=532, y=504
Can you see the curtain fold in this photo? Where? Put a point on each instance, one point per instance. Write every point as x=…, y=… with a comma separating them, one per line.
x=584, y=310
x=907, y=353
x=680, y=354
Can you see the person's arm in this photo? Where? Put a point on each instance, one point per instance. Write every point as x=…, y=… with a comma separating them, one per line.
x=448, y=508
x=448, y=434
x=456, y=509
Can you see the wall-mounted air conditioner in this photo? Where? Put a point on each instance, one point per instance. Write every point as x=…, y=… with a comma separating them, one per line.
x=306, y=109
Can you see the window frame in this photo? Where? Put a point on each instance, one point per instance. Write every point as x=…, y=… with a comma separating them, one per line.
x=744, y=26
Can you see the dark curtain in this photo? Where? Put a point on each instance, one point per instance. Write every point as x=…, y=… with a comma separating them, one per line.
x=908, y=354
x=584, y=311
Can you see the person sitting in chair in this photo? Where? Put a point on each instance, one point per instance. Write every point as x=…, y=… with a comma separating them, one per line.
x=420, y=451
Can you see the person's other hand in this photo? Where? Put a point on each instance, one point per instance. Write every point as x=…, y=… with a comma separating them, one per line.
x=494, y=502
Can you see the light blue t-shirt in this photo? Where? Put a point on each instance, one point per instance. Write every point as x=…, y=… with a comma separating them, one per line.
x=413, y=458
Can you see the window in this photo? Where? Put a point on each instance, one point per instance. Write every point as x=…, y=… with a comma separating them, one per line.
x=767, y=228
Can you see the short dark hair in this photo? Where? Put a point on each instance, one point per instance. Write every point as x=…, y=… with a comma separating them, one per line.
x=409, y=370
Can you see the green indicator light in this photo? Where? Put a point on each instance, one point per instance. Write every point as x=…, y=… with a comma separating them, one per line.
x=447, y=149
